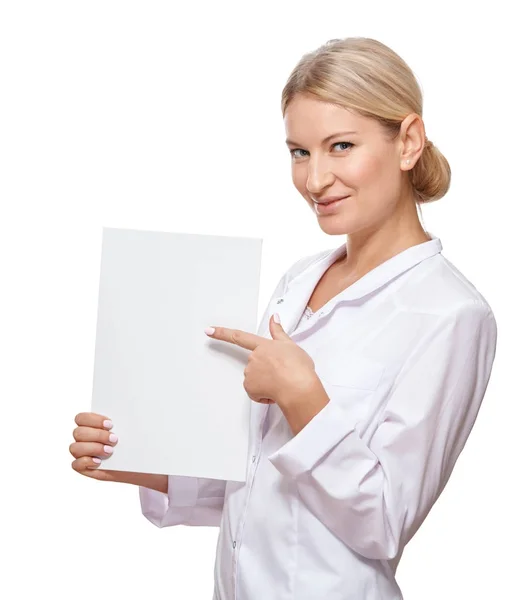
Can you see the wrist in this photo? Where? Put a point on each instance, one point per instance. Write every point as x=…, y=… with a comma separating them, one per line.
x=306, y=386
x=304, y=403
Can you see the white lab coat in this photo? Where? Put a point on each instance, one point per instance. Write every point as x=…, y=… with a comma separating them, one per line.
x=405, y=354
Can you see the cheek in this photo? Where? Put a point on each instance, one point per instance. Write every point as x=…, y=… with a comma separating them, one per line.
x=366, y=172
x=299, y=177
x=375, y=182
x=372, y=179
x=295, y=177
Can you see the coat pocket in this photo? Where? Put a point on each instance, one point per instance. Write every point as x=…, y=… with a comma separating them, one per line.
x=354, y=372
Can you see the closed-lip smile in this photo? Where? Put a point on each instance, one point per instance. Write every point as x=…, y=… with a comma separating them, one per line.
x=328, y=199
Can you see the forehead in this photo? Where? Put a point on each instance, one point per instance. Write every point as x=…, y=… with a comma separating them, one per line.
x=308, y=116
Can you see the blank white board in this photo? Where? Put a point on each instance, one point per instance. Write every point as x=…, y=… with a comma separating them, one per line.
x=175, y=396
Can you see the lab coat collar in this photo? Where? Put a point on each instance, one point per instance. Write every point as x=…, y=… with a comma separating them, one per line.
x=291, y=305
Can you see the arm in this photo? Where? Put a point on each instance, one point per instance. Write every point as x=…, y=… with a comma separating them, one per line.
x=187, y=501
x=375, y=495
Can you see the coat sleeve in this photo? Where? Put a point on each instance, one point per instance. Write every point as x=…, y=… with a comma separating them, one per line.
x=189, y=501
x=374, y=496
x=196, y=501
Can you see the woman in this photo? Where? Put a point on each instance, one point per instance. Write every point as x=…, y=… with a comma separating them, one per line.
x=366, y=391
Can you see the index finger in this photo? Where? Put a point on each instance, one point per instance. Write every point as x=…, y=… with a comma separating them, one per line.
x=246, y=340
x=90, y=419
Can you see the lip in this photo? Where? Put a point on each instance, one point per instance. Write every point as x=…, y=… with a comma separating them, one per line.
x=327, y=208
x=329, y=199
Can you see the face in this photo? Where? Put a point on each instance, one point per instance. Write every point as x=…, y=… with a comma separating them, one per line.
x=363, y=167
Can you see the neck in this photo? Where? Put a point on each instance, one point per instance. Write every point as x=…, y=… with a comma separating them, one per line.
x=367, y=248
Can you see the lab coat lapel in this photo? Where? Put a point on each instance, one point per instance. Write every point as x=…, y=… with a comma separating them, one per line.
x=292, y=304
x=290, y=307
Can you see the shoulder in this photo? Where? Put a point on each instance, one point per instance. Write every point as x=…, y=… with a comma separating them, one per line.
x=438, y=287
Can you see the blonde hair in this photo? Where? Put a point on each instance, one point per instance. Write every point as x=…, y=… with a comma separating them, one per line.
x=367, y=77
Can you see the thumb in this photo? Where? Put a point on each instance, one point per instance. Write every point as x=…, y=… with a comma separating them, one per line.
x=276, y=329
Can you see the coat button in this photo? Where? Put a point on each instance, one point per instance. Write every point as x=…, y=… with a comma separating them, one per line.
x=253, y=459
x=234, y=544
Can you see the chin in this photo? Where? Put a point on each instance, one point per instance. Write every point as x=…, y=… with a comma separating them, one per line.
x=334, y=227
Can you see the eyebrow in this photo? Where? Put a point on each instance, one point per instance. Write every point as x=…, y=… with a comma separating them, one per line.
x=329, y=137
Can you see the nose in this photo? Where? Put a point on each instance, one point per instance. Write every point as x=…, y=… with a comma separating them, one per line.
x=319, y=177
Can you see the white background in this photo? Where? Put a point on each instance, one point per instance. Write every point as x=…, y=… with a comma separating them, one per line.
x=151, y=116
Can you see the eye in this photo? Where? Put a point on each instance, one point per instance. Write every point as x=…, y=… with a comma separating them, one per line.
x=348, y=143
x=293, y=150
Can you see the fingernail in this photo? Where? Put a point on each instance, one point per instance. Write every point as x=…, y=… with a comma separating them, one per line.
x=276, y=318
x=108, y=424
x=113, y=438
x=97, y=460
x=209, y=330
x=108, y=450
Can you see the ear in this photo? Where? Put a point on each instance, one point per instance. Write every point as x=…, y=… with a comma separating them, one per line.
x=276, y=329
